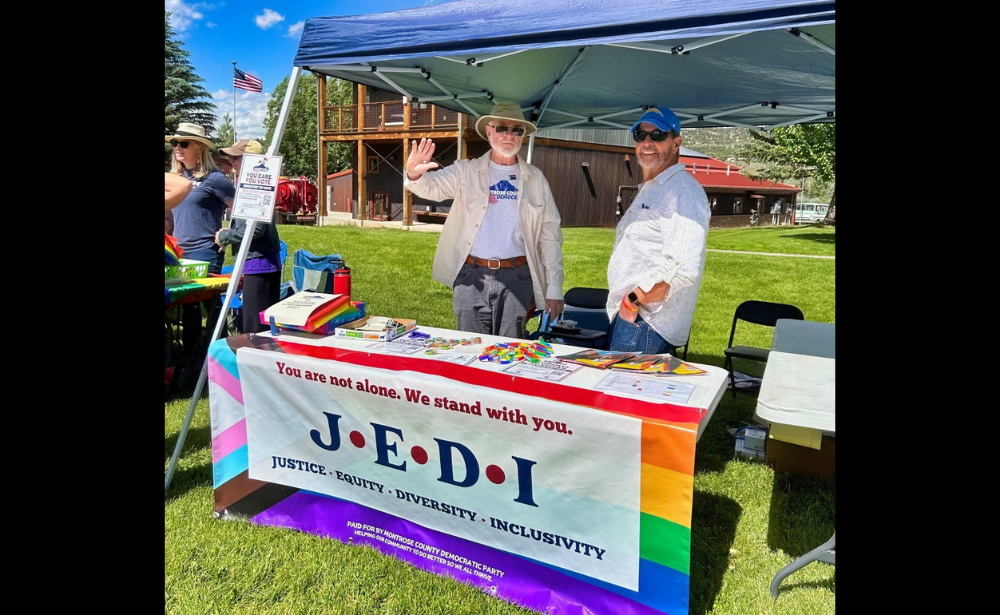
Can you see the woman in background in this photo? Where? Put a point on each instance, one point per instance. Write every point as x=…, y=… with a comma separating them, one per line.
x=198, y=217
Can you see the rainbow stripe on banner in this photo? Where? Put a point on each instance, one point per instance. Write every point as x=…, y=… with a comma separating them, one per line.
x=668, y=439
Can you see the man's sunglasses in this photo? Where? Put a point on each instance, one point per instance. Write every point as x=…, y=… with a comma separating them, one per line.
x=183, y=144
x=517, y=131
x=657, y=135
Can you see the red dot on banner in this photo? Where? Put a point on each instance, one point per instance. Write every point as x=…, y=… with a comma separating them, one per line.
x=419, y=455
x=495, y=474
x=357, y=439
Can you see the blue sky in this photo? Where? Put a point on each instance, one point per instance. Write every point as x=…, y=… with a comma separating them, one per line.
x=262, y=37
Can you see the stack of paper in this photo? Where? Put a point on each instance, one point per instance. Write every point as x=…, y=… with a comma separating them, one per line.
x=596, y=358
x=655, y=364
x=313, y=312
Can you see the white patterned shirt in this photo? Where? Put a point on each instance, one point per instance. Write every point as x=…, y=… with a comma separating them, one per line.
x=662, y=236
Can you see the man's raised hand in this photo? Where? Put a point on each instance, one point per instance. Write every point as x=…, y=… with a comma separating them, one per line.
x=420, y=159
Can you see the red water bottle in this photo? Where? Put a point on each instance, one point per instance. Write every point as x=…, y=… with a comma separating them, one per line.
x=342, y=281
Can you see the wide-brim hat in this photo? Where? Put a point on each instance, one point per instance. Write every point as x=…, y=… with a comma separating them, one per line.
x=504, y=111
x=191, y=132
x=243, y=146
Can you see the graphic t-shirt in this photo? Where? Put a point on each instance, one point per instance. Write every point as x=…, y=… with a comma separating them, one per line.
x=500, y=235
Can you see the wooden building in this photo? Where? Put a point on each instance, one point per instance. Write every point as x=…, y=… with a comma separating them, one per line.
x=590, y=172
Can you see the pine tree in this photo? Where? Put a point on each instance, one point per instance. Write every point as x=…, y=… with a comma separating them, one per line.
x=183, y=93
x=227, y=132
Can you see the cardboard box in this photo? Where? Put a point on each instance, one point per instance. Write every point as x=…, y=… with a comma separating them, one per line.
x=750, y=453
x=794, y=459
x=754, y=439
x=362, y=329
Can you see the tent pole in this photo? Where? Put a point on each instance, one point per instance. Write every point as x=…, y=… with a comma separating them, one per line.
x=279, y=132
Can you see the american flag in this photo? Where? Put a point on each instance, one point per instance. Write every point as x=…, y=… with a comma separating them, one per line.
x=246, y=82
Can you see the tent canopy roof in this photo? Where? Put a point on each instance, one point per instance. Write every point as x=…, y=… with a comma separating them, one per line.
x=594, y=63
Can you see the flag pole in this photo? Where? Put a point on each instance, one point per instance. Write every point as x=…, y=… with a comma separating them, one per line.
x=234, y=101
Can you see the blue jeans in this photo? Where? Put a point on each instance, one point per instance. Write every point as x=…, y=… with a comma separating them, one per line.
x=637, y=336
x=213, y=256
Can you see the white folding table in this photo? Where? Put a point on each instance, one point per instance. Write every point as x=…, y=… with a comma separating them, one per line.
x=798, y=388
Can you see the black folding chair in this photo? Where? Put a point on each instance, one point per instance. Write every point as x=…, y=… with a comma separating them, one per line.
x=755, y=312
x=588, y=307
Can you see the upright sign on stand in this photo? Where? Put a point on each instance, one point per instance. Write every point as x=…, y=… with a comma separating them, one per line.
x=257, y=187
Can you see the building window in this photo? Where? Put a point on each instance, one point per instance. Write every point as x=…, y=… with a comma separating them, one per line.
x=373, y=164
x=738, y=205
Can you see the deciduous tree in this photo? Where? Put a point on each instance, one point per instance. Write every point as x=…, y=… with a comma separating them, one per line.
x=798, y=151
x=300, y=142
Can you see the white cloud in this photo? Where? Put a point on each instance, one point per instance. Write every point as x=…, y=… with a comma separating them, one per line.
x=268, y=19
x=182, y=15
x=295, y=28
x=251, y=109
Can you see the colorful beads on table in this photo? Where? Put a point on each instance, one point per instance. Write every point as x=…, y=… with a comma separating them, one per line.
x=441, y=343
x=509, y=352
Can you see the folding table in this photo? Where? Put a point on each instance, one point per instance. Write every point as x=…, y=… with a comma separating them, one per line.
x=481, y=470
x=194, y=290
x=798, y=389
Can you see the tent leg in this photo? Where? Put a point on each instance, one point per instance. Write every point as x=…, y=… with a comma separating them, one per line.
x=187, y=423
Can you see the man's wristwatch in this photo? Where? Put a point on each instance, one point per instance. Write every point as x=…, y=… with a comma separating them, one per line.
x=633, y=298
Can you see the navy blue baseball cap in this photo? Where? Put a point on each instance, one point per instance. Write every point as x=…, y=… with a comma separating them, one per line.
x=664, y=119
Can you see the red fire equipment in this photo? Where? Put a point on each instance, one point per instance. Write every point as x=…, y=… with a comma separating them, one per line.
x=296, y=201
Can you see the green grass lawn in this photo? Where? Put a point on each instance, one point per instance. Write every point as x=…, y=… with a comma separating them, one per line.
x=747, y=521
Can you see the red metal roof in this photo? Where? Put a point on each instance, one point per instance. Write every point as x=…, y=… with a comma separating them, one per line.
x=340, y=174
x=714, y=173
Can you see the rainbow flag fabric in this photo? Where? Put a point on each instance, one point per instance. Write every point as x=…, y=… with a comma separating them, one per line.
x=172, y=253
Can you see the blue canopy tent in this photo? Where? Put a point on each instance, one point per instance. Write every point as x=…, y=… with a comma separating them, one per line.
x=581, y=63
x=594, y=63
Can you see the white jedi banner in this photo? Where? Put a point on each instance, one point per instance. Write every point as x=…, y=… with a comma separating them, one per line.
x=545, y=480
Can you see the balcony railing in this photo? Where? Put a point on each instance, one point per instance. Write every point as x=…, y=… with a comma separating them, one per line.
x=386, y=117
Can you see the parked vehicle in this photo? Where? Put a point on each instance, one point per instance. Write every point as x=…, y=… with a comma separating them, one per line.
x=810, y=213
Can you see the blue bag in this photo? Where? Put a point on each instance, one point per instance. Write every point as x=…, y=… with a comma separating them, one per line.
x=314, y=273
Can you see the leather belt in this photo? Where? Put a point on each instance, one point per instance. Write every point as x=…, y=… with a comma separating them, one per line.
x=497, y=263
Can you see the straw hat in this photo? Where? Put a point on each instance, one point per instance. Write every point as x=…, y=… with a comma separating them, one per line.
x=504, y=111
x=243, y=146
x=191, y=132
